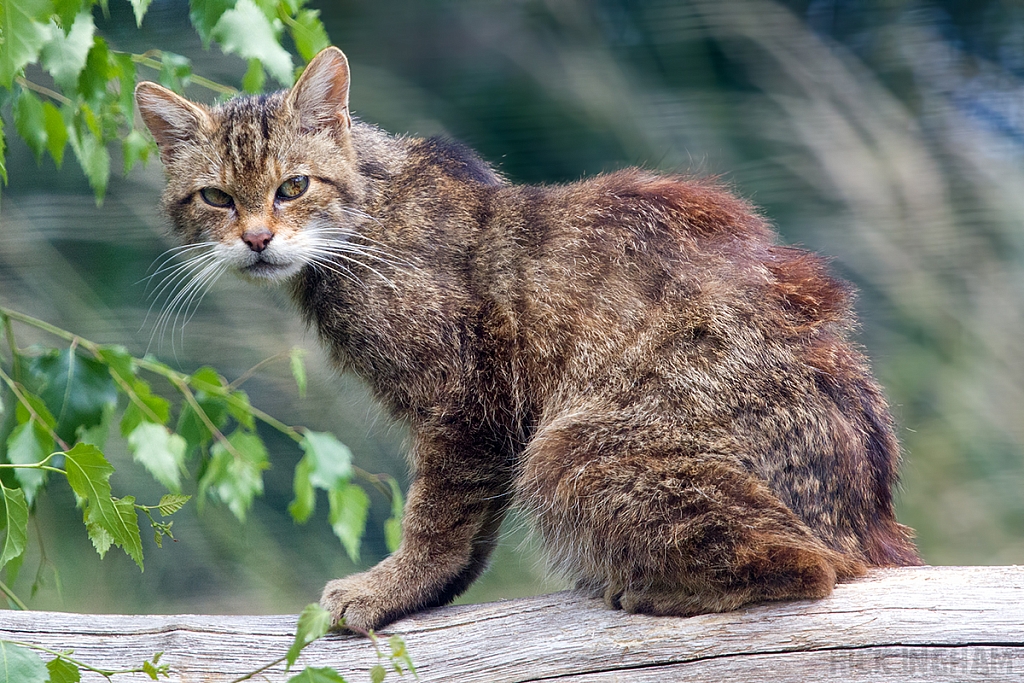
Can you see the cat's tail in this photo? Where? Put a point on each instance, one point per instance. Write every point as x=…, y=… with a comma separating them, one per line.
x=890, y=544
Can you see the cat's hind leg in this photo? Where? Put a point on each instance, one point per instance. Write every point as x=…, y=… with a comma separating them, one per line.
x=654, y=528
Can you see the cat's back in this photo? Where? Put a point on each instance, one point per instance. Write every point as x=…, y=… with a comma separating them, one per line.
x=595, y=267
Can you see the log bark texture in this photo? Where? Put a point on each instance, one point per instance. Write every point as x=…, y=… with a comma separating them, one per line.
x=931, y=624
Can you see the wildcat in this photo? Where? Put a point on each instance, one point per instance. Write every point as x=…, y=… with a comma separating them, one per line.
x=632, y=359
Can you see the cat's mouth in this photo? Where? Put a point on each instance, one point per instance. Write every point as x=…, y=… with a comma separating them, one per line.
x=262, y=269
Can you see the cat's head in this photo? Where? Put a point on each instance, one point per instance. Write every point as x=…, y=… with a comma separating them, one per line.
x=267, y=183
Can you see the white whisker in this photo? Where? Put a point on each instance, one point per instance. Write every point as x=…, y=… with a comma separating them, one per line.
x=174, y=277
x=344, y=256
x=321, y=265
x=382, y=254
x=348, y=248
x=338, y=230
x=183, y=298
x=207, y=285
x=187, y=283
x=172, y=270
x=169, y=255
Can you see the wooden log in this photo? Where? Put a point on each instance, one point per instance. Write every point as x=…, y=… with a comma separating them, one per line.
x=929, y=624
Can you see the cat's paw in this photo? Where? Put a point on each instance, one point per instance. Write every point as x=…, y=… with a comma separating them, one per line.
x=358, y=604
x=665, y=601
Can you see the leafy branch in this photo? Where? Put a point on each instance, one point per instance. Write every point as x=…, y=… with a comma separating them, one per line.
x=18, y=664
x=314, y=623
x=81, y=93
x=231, y=465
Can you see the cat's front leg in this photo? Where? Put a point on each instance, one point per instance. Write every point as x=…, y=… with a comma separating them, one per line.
x=452, y=516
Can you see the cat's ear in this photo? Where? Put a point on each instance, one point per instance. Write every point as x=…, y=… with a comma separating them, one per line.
x=320, y=97
x=173, y=120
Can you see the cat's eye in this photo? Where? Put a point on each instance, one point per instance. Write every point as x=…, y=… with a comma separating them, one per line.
x=293, y=187
x=216, y=197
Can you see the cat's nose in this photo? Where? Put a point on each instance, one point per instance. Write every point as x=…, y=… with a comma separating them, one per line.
x=257, y=239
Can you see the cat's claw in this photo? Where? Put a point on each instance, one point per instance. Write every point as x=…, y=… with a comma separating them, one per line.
x=355, y=605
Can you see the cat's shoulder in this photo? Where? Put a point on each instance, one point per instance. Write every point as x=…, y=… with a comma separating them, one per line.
x=453, y=159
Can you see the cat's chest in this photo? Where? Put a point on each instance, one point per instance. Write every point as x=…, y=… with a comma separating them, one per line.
x=409, y=331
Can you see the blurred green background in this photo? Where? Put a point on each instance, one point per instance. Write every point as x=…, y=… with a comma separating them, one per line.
x=888, y=134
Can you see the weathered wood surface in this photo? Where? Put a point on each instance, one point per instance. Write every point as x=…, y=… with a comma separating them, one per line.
x=928, y=624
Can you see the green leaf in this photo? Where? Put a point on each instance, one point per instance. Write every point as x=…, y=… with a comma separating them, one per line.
x=393, y=533
x=99, y=536
x=393, y=525
x=30, y=123
x=124, y=525
x=246, y=32
x=316, y=675
x=400, y=655
x=76, y=389
x=39, y=410
x=123, y=68
x=86, y=119
x=136, y=147
x=96, y=75
x=349, y=505
x=377, y=673
x=119, y=361
x=63, y=671
x=97, y=434
x=330, y=460
x=15, y=520
x=269, y=9
x=208, y=384
x=3, y=147
x=155, y=670
x=308, y=33
x=191, y=425
x=140, y=7
x=144, y=406
x=56, y=132
x=24, y=26
x=241, y=409
x=64, y=55
x=235, y=472
x=255, y=77
x=397, y=500
x=20, y=665
x=41, y=578
x=160, y=451
x=171, y=503
x=205, y=14
x=175, y=71
x=207, y=379
x=314, y=622
x=94, y=159
x=305, y=495
x=326, y=465
x=68, y=10
x=299, y=369
x=13, y=568
x=108, y=519
x=28, y=444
